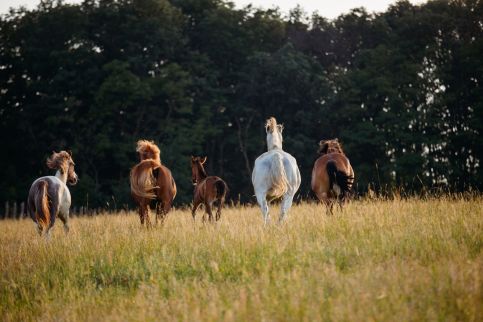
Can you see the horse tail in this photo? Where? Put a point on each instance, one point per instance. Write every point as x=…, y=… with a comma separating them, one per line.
x=41, y=202
x=278, y=176
x=142, y=179
x=339, y=181
x=221, y=188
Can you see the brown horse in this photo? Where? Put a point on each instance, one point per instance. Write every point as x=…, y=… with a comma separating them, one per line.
x=150, y=180
x=49, y=197
x=207, y=189
x=332, y=175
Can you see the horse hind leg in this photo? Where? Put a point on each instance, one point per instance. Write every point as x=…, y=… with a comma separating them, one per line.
x=146, y=215
x=209, y=211
x=218, y=211
x=262, y=202
x=285, y=206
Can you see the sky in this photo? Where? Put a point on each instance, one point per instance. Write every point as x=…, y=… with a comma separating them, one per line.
x=326, y=8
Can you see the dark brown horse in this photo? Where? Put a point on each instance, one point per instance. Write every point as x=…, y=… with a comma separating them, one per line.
x=150, y=180
x=49, y=197
x=207, y=189
x=332, y=176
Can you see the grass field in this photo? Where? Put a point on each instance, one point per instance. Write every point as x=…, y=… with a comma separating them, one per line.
x=394, y=260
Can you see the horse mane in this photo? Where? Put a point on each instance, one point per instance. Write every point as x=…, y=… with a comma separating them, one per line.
x=330, y=146
x=148, y=150
x=272, y=125
x=58, y=160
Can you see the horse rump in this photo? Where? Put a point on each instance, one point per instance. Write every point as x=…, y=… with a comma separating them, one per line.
x=221, y=188
x=278, y=176
x=339, y=181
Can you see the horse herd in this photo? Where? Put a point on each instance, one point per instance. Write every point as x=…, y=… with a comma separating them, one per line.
x=275, y=176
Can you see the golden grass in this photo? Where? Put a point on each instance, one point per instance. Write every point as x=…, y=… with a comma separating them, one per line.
x=376, y=261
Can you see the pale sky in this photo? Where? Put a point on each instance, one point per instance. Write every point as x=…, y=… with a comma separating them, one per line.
x=326, y=8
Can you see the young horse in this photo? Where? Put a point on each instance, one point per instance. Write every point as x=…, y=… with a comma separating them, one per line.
x=151, y=180
x=49, y=196
x=276, y=173
x=207, y=189
x=332, y=175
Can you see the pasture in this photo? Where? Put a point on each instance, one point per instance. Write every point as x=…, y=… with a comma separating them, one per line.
x=378, y=260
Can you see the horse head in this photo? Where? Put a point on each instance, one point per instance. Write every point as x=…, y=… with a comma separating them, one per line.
x=198, y=172
x=330, y=146
x=148, y=150
x=63, y=163
x=274, y=134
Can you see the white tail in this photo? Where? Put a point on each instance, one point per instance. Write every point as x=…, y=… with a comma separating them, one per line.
x=278, y=176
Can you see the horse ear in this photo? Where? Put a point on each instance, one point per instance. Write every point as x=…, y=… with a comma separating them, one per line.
x=336, y=139
x=280, y=128
x=203, y=160
x=70, y=152
x=323, y=147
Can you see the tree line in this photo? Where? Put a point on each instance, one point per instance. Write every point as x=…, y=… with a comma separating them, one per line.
x=401, y=90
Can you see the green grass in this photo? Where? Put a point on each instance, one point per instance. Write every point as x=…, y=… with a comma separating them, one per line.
x=377, y=260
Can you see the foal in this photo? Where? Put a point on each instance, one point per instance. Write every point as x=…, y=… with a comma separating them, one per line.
x=151, y=180
x=49, y=196
x=332, y=175
x=207, y=189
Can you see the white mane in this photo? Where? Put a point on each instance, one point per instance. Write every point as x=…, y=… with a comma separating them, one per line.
x=275, y=174
x=274, y=134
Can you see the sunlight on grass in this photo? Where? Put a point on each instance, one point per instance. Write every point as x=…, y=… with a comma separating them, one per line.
x=376, y=260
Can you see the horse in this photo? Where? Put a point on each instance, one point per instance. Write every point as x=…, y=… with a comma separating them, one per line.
x=150, y=180
x=275, y=174
x=49, y=196
x=332, y=175
x=208, y=189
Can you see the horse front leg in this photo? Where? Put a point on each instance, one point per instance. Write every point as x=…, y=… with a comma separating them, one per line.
x=196, y=204
x=64, y=217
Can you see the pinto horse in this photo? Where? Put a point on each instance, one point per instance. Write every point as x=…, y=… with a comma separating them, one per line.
x=275, y=174
x=332, y=175
x=49, y=196
x=150, y=180
x=208, y=189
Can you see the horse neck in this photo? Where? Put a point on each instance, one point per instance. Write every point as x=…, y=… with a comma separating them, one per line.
x=274, y=141
x=61, y=175
x=200, y=173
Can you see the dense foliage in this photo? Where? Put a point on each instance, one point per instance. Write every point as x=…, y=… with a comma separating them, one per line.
x=401, y=90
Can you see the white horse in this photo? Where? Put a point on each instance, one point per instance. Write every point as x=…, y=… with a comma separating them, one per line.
x=276, y=173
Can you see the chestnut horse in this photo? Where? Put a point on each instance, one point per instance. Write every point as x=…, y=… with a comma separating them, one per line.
x=150, y=180
x=332, y=175
x=208, y=189
x=49, y=196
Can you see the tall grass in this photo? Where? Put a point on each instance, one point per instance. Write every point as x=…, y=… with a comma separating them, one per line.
x=377, y=260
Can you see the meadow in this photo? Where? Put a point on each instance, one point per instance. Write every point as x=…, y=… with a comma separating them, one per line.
x=377, y=260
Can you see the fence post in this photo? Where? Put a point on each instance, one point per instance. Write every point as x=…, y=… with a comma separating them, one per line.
x=22, y=210
x=7, y=209
x=14, y=210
